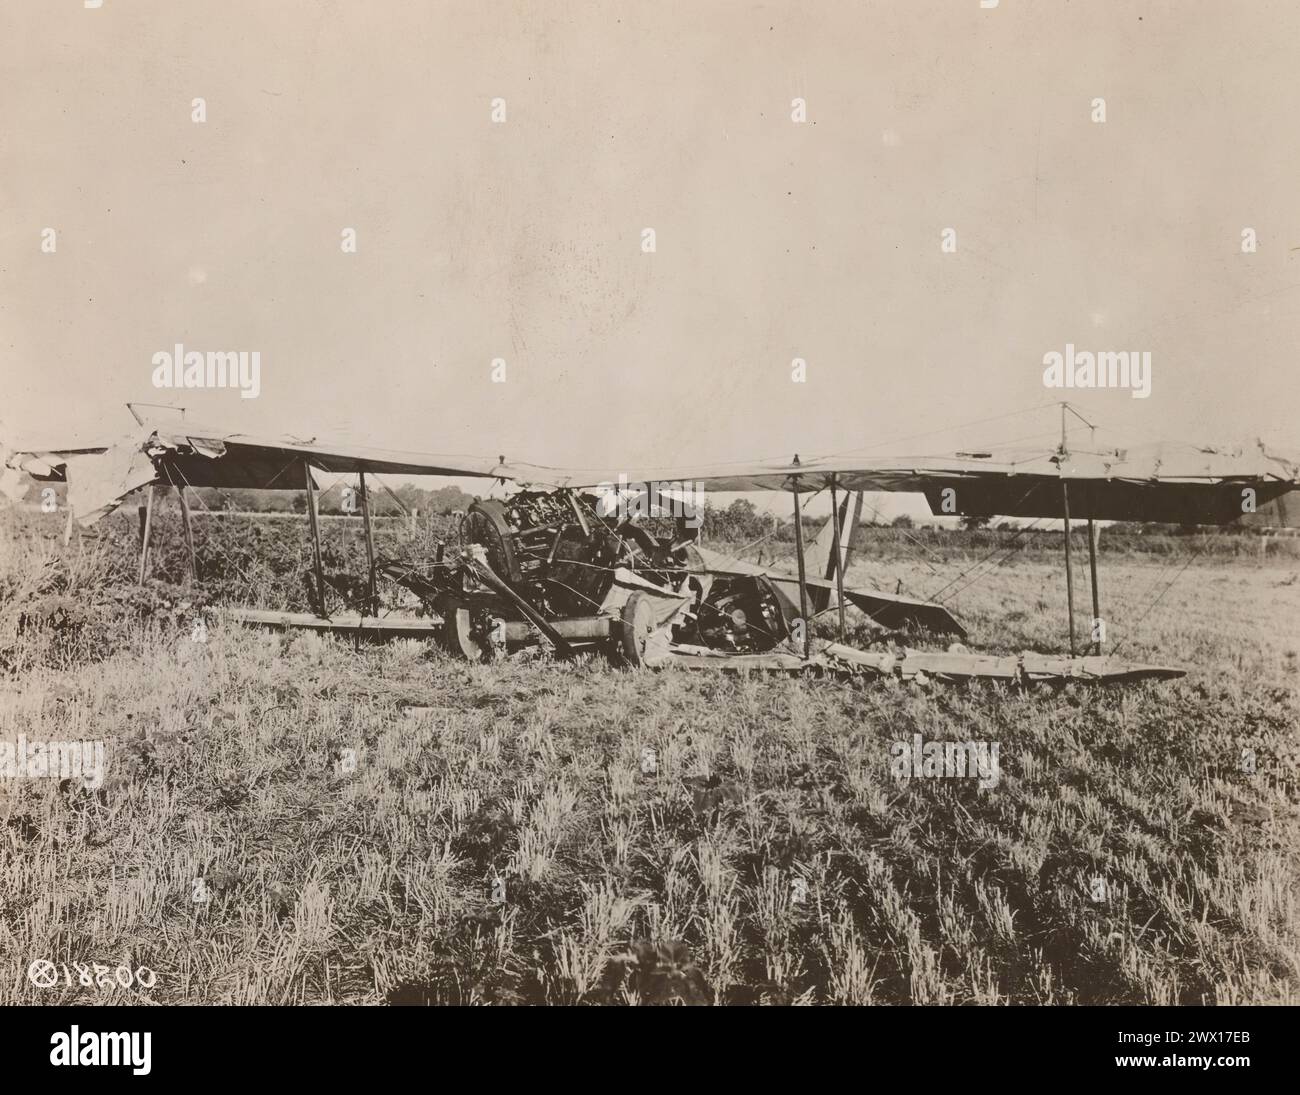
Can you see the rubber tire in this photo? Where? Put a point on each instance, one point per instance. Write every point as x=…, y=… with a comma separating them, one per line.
x=456, y=634
x=638, y=621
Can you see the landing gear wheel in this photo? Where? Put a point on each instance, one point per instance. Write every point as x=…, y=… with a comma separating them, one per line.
x=458, y=634
x=638, y=620
x=487, y=524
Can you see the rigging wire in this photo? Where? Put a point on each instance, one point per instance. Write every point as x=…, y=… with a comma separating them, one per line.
x=993, y=552
x=945, y=429
x=1006, y=551
x=1170, y=585
x=167, y=471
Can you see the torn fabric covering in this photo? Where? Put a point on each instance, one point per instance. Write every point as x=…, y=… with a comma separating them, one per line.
x=97, y=483
x=666, y=607
x=13, y=483
x=665, y=603
x=43, y=462
x=44, y=466
x=16, y=465
x=211, y=447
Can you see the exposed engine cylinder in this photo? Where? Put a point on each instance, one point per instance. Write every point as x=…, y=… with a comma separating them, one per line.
x=550, y=547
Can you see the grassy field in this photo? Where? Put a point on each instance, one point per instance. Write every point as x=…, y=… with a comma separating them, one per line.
x=290, y=819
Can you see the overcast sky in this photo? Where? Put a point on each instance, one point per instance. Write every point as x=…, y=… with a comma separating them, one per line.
x=774, y=240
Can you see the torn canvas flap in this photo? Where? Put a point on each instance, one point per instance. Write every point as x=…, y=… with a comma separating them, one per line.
x=98, y=483
x=211, y=447
x=665, y=603
x=666, y=608
x=13, y=484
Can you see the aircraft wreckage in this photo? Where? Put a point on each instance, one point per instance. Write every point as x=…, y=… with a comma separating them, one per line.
x=555, y=564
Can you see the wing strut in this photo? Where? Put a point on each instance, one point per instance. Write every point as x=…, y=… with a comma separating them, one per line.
x=146, y=528
x=188, y=525
x=1065, y=506
x=314, y=521
x=803, y=576
x=372, y=590
x=839, y=558
x=1096, y=597
x=1069, y=571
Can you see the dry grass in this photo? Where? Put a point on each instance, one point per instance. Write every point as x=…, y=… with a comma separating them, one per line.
x=351, y=813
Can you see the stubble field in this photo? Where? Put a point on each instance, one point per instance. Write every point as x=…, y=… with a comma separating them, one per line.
x=290, y=818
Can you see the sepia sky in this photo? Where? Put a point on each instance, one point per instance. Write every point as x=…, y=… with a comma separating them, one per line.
x=774, y=240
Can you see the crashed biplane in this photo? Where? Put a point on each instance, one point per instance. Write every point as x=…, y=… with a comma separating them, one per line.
x=555, y=564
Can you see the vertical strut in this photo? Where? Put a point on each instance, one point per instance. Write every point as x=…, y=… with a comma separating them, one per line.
x=373, y=594
x=189, y=530
x=1065, y=504
x=1069, y=572
x=314, y=521
x=839, y=558
x=146, y=530
x=803, y=577
x=1096, y=596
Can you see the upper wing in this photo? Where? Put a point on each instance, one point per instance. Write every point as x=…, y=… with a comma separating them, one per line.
x=45, y=463
x=183, y=453
x=1158, y=482
x=1164, y=482
x=209, y=458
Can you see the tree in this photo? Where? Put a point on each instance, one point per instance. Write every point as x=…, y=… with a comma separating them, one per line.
x=901, y=521
x=741, y=522
x=973, y=522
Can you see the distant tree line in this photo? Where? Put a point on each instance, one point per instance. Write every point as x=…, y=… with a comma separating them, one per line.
x=439, y=502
